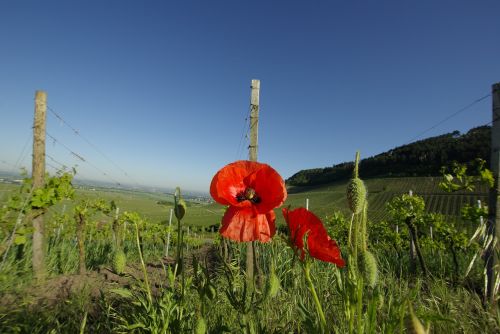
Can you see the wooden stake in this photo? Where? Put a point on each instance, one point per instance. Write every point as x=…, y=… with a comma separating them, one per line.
x=38, y=174
x=252, y=152
x=254, y=120
x=413, y=250
x=168, y=235
x=493, y=223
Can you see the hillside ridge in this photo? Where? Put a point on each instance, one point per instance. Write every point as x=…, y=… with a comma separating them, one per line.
x=424, y=157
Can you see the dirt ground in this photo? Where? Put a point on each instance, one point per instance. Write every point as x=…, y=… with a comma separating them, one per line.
x=58, y=289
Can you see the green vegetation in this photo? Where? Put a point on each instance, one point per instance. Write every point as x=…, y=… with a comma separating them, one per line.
x=324, y=199
x=421, y=158
x=108, y=273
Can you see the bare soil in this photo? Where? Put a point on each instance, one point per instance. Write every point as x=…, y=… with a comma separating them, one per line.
x=92, y=284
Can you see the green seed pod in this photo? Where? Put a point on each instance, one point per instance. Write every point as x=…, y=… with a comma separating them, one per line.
x=368, y=268
x=180, y=209
x=356, y=195
x=119, y=261
x=201, y=326
x=381, y=301
x=272, y=285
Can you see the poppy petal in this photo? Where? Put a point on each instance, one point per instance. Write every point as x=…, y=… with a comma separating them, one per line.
x=244, y=224
x=320, y=246
x=269, y=186
x=228, y=182
x=326, y=250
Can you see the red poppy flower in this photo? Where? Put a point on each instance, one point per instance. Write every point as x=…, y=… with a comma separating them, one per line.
x=252, y=190
x=320, y=246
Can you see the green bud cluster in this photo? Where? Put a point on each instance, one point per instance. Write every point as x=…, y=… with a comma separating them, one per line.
x=356, y=190
x=119, y=261
x=367, y=265
x=201, y=326
x=272, y=285
x=180, y=209
x=356, y=195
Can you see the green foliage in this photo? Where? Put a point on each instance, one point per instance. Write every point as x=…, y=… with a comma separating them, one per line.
x=54, y=190
x=460, y=178
x=421, y=158
x=473, y=213
x=337, y=226
x=402, y=207
x=205, y=301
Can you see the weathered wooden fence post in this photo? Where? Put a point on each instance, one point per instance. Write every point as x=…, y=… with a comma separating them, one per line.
x=38, y=175
x=413, y=251
x=252, y=151
x=168, y=233
x=493, y=224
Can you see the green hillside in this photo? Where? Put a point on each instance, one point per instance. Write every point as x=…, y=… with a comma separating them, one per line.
x=148, y=205
x=421, y=158
x=325, y=199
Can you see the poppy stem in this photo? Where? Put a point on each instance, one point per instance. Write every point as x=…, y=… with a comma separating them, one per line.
x=319, y=309
x=349, y=238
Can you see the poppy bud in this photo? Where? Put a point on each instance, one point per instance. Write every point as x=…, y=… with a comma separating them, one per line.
x=119, y=261
x=356, y=195
x=272, y=285
x=180, y=209
x=368, y=268
x=201, y=326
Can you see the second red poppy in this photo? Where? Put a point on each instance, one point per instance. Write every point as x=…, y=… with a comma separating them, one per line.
x=319, y=245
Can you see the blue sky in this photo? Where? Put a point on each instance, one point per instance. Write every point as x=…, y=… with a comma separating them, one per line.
x=162, y=87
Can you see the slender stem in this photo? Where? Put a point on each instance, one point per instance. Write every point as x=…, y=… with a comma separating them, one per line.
x=349, y=238
x=359, y=304
x=315, y=295
x=146, y=281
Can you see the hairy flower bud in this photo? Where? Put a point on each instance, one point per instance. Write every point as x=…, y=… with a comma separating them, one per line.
x=368, y=268
x=180, y=209
x=201, y=326
x=119, y=261
x=272, y=285
x=356, y=195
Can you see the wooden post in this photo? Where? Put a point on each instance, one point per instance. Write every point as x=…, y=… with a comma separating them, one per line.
x=252, y=152
x=493, y=224
x=168, y=235
x=80, y=237
x=254, y=120
x=413, y=251
x=38, y=174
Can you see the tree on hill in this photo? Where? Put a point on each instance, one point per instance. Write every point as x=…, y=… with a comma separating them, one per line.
x=421, y=158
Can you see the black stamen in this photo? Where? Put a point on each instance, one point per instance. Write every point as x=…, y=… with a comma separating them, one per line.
x=255, y=199
x=248, y=194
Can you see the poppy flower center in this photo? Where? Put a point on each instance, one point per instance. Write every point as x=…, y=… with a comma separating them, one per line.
x=249, y=194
